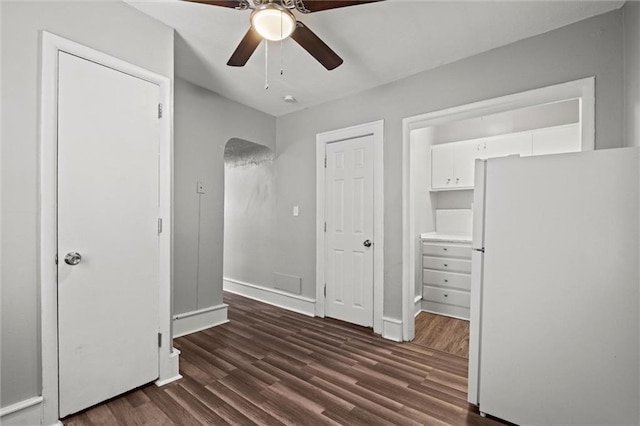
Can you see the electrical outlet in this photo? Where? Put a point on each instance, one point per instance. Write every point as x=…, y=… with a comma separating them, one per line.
x=200, y=187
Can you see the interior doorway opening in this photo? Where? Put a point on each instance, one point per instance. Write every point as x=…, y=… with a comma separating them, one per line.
x=570, y=105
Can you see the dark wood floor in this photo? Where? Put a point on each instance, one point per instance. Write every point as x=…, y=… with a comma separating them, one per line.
x=269, y=366
x=442, y=333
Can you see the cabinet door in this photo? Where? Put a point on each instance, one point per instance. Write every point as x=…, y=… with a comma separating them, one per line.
x=464, y=159
x=501, y=146
x=442, y=166
x=557, y=140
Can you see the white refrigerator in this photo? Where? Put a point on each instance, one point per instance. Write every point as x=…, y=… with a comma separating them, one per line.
x=555, y=326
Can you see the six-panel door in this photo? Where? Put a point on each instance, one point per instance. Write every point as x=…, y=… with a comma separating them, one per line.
x=349, y=236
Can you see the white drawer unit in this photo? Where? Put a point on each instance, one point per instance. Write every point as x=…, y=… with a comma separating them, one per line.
x=446, y=278
x=457, y=250
x=446, y=296
x=446, y=264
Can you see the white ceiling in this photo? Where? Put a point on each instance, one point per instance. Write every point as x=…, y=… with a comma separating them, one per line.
x=379, y=42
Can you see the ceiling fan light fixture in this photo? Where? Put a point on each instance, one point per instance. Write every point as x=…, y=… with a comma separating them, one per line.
x=273, y=22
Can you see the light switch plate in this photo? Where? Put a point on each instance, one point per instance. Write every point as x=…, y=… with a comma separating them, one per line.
x=296, y=211
x=200, y=187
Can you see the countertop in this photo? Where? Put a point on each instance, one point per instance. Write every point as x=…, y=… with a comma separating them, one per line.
x=440, y=237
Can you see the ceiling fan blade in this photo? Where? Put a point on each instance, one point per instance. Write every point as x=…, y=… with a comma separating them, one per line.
x=245, y=49
x=316, y=47
x=233, y=4
x=308, y=6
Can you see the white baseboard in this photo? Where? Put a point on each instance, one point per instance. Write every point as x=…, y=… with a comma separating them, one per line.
x=453, y=311
x=190, y=322
x=27, y=412
x=417, y=305
x=392, y=329
x=292, y=302
x=169, y=369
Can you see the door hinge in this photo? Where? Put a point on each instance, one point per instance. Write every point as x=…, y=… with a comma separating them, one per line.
x=159, y=110
x=325, y=290
x=325, y=161
x=159, y=225
x=325, y=227
x=159, y=340
x=56, y=260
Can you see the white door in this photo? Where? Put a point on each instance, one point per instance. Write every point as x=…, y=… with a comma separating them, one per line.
x=349, y=236
x=108, y=188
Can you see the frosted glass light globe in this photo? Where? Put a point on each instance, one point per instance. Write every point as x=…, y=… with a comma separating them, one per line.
x=273, y=22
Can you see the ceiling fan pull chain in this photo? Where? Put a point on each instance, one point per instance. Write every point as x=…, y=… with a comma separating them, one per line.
x=281, y=51
x=281, y=59
x=266, y=64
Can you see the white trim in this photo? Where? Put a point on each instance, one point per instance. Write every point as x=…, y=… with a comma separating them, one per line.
x=417, y=305
x=194, y=321
x=169, y=369
x=583, y=89
x=392, y=329
x=51, y=45
x=21, y=405
x=282, y=299
x=376, y=129
x=458, y=312
x=26, y=412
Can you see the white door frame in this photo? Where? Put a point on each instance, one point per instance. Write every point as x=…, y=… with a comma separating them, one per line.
x=375, y=129
x=168, y=357
x=583, y=89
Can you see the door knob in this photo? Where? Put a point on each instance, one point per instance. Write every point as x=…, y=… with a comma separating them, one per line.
x=367, y=243
x=72, y=258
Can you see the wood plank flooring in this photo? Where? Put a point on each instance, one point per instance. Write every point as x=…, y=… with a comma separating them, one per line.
x=442, y=333
x=269, y=366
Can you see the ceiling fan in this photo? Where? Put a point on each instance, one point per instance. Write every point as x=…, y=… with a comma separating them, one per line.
x=273, y=20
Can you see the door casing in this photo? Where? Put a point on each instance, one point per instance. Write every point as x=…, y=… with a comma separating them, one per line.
x=583, y=89
x=168, y=357
x=375, y=129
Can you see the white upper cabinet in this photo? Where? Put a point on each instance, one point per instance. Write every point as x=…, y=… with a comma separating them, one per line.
x=556, y=140
x=442, y=166
x=514, y=144
x=452, y=164
x=464, y=155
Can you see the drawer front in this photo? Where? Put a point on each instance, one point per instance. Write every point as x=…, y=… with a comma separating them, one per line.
x=462, y=251
x=446, y=296
x=446, y=279
x=446, y=264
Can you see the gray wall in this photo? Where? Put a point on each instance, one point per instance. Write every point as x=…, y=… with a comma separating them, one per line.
x=113, y=28
x=249, y=208
x=631, y=13
x=204, y=122
x=590, y=47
